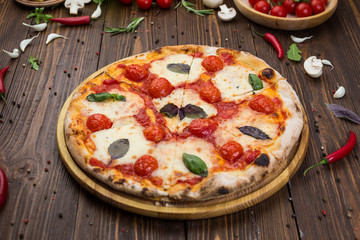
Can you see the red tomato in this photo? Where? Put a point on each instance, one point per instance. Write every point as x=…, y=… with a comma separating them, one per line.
x=154, y=133
x=317, y=6
x=278, y=11
x=144, y=4
x=202, y=127
x=262, y=6
x=253, y=2
x=126, y=2
x=145, y=165
x=262, y=103
x=135, y=72
x=212, y=63
x=303, y=10
x=210, y=94
x=289, y=5
x=325, y=2
x=164, y=3
x=231, y=151
x=160, y=87
x=97, y=122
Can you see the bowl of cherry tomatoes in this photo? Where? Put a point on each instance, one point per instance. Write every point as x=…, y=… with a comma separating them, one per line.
x=287, y=14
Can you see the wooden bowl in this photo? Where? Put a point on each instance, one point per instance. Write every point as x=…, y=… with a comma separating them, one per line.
x=46, y=3
x=291, y=22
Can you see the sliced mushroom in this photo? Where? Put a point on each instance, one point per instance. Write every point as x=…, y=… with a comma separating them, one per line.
x=225, y=13
x=74, y=5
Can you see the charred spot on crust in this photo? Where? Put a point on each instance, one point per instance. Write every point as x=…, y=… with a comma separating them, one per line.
x=297, y=108
x=188, y=188
x=223, y=191
x=111, y=178
x=121, y=181
x=268, y=73
x=263, y=160
x=144, y=190
x=264, y=174
x=97, y=170
x=158, y=50
x=282, y=128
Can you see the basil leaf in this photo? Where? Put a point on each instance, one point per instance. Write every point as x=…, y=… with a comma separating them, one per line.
x=254, y=132
x=170, y=110
x=179, y=68
x=342, y=112
x=192, y=111
x=118, y=97
x=255, y=82
x=100, y=97
x=293, y=53
x=119, y=148
x=195, y=164
x=181, y=113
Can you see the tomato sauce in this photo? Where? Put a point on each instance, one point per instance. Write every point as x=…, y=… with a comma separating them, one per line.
x=226, y=109
x=191, y=181
x=227, y=58
x=96, y=163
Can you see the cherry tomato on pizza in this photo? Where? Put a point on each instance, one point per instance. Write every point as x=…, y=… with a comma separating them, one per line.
x=160, y=87
x=145, y=165
x=231, y=151
x=144, y=4
x=202, y=127
x=317, y=6
x=210, y=94
x=154, y=133
x=278, y=11
x=212, y=63
x=263, y=104
x=135, y=72
x=164, y=3
x=97, y=122
x=262, y=6
x=303, y=10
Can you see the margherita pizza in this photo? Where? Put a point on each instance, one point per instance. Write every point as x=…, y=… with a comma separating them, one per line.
x=185, y=122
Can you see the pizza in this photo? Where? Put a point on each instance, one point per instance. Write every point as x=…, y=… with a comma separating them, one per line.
x=184, y=122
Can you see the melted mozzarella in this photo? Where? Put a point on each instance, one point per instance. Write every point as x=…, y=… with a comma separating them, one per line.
x=196, y=70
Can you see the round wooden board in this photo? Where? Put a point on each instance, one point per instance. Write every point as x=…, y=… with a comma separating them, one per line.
x=291, y=22
x=46, y=3
x=172, y=209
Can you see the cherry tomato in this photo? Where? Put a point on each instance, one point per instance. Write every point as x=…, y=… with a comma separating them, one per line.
x=97, y=122
x=303, y=10
x=262, y=103
x=135, y=72
x=164, y=3
x=126, y=2
x=278, y=11
x=317, y=6
x=212, y=63
x=144, y=4
x=3, y=187
x=202, y=127
x=253, y=2
x=289, y=5
x=231, y=151
x=154, y=133
x=251, y=155
x=157, y=181
x=160, y=87
x=210, y=94
x=262, y=6
x=145, y=165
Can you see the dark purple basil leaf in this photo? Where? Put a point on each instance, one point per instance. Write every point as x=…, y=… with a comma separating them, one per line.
x=170, y=110
x=181, y=113
x=342, y=112
x=179, y=68
x=192, y=111
x=119, y=148
x=254, y=132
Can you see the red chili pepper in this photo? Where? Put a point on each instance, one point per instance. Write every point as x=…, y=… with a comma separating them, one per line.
x=72, y=20
x=2, y=87
x=273, y=41
x=339, y=154
x=3, y=187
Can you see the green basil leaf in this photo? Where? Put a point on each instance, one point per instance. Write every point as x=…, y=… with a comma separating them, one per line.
x=192, y=111
x=179, y=68
x=118, y=97
x=170, y=110
x=119, y=148
x=100, y=97
x=254, y=132
x=293, y=53
x=195, y=164
x=255, y=82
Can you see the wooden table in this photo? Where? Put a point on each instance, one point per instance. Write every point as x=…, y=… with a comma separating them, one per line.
x=45, y=202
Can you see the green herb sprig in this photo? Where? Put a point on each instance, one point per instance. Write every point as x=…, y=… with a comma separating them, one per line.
x=34, y=63
x=293, y=53
x=190, y=8
x=38, y=14
x=131, y=27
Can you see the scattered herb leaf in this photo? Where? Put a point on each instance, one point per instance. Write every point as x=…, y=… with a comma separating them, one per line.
x=98, y=1
x=255, y=82
x=254, y=132
x=119, y=148
x=293, y=53
x=131, y=27
x=179, y=68
x=342, y=112
x=99, y=97
x=170, y=110
x=190, y=8
x=195, y=164
x=34, y=63
x=38, y=14
x=192, y=111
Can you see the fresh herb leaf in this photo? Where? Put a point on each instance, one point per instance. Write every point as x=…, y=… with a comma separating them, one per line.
x=100, y=97
x=190, y=8
x=131, y=27
x=170, y=110
x=342, y=112
x=98, y=1
x=293, y=53
x=192, y=111
x=38, y=13
x=254, y=132
x=179, y=68
x=119, y=148
x=195, y=164
x=34, y=63
x=255, y=82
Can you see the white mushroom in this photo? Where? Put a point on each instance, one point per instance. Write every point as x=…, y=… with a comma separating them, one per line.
x=225, y=13
x=74, y=5
x=313, y=67
x=14, y=54
x=340, y=92
x=212, y=3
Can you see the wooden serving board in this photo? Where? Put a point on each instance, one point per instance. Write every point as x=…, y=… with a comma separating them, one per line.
x=171, y=209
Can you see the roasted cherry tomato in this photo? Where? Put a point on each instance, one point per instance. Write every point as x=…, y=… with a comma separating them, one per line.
x=3, y=187
x=210, y=94
x=145, y=165
x=154, y=133
x=262, y=103
x=164, y=3
x=97, y=122
x=144, y=4
x=262, y=6
x=289, y=5
x=231, y=151
x=303, y=10
x=160, y=87
x=317, y=6
x=253, y=2
x=110, y=81
x=126, y=2
x=135, y=72
x=212, y=63
x=278, y=11
x=202, y=127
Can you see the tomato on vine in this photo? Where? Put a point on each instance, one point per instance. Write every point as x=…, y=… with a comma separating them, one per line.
x=278, y=11
x=303, y=10
x=164, y=3
x=144, y=4
x=289, y=5
x=262, y=6
x=318, y=6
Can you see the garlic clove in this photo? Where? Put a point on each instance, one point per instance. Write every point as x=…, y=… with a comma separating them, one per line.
x=53, y=36
x=299, y=40
x=14, y=54
x=313, y=67
x=37, y=27
x=26, y=42
x=327, y=62
x=97, y=13
x=340, y=92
